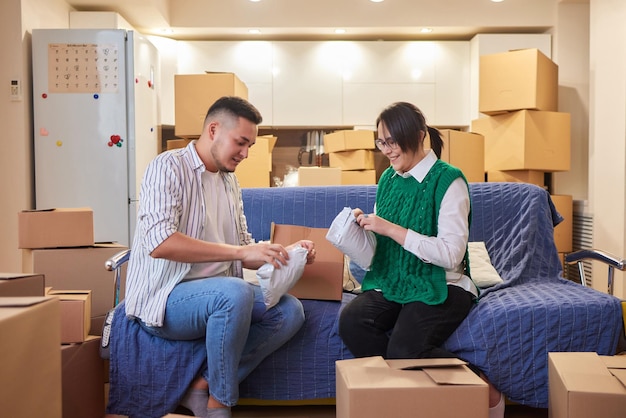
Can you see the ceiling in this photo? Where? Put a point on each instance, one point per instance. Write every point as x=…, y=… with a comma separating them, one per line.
x=313, y=20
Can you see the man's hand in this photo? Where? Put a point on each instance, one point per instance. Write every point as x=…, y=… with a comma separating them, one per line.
x=255, y=255
x=309, y=246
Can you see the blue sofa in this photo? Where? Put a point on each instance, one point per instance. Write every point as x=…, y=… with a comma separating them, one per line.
x=507, y=335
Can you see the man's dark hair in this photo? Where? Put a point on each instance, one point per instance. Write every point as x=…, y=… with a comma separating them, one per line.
x=235, y=106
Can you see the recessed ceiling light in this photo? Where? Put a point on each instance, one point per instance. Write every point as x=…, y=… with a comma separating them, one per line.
x=426, y=30
x=497, y=1
x=377, y=1
x=340, y=31
x=255, y=1
x=254, y=31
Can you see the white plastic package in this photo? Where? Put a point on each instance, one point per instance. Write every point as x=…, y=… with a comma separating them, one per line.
x=354, y=241
x=276, y=282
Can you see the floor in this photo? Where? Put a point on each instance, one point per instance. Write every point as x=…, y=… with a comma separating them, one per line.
x=512, y=411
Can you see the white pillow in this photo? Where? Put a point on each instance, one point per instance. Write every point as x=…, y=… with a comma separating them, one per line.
x=482, y=271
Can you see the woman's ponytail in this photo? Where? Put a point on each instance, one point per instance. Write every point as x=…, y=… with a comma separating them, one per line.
x=436, y=142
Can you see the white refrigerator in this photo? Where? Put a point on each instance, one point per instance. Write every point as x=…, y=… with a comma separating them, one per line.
x=95, y=123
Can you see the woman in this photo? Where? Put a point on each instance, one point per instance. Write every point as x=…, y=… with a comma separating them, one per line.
x=418, y=289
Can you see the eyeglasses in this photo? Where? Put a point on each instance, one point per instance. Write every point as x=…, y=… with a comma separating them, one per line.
x=389, y=142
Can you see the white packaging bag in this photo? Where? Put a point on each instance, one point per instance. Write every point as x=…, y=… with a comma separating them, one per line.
x=276, y=282
x=354, y=241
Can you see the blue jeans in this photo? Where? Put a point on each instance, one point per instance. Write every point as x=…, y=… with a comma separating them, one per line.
x=239, y=332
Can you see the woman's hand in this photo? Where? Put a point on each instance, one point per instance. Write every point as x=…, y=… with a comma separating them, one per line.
x=371, y=222
x=309, y=246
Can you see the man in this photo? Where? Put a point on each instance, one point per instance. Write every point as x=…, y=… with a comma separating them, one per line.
x=191, y=243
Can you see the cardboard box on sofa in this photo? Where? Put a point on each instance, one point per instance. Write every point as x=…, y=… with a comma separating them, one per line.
x=30, y=370
x=78, y=268
x=362, y=159
x=563, y=232
x=518, y=176
x=358, y=177
x=195, y=93
x=519, y=79
x=323, y=279
x=347, y=140
x=82, y=377
x=526, y=140
x=21, y=284
x=464, y=150
x=52, y=228
x=254, y=171
x=372, y=387
x=583, y=385
x=75, y=314
x=319, y=176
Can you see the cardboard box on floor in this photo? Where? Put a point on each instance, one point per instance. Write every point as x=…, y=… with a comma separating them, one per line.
x=563, y=232
x=519, y=79
x=30, y=370
x=78, y=268
x=372, y=387
x=319, y=176
x=195, y=93
x=52, y=228
x=347, y=140
x=584, y=385
x=82, y=377
x=526, y=140
x=518, y=176
x=358, y=177
x=75, y=314
x=21, y=284
x=323, y=279
x=255, y=170
x=464, y=150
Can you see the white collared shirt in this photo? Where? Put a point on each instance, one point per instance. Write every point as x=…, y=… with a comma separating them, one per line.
x=447, y=249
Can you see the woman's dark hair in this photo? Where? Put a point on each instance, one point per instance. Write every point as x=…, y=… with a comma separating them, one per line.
x=234, y=106
x=405, y=121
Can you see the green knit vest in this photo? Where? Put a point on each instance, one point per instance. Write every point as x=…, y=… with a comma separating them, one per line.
x=400, y=275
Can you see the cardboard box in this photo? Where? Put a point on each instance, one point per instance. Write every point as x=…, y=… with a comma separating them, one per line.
x=372, y=387
x=514, y=80
x=563, y=232
x=584, y=385
x=82, y=379
x=358, y=177
x=319, y=176
x=464, y=150
x=526, y=140
x=177, y=143
x=30, y=370
x=347, y=140
x=352, y=160
x=52, y=228
x=255, y=170
x=323, y=279
x=538, y=178
x=195, y=93
x=75, y=314
x=78, y=268
x=21, y=284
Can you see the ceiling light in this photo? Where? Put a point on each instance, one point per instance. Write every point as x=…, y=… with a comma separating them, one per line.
x=254, y=31
x=255, y=1
x=377, y=1
x=426, y=30
x=497, y=1
x=339, y=31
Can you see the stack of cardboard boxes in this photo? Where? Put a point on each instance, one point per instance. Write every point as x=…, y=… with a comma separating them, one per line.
x=352, y=153
x=193, y=95
x=525, y=136
x=61, y=263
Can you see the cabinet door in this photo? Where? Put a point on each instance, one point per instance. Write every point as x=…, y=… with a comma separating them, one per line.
x=452, y=72
x=364, y=101
x=307, y=84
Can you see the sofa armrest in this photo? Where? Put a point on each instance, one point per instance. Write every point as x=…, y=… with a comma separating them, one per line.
x=609, y=259
x=115, y=264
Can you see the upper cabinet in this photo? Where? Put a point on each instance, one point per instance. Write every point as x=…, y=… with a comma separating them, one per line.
x=341, y=83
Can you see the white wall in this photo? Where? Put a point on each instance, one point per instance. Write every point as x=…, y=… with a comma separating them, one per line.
x=607, y=135
x=17, y=19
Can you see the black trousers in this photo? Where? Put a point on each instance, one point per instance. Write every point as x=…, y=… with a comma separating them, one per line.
x=371, y=325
